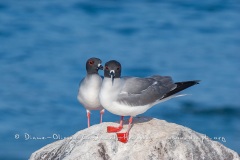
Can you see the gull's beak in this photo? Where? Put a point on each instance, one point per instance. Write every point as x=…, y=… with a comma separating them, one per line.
x=100, y=67
x=112, y=74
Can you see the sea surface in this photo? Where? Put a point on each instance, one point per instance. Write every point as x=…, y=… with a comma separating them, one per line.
x=44, y=46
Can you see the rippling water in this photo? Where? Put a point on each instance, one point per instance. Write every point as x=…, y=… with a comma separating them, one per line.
x=44, y=46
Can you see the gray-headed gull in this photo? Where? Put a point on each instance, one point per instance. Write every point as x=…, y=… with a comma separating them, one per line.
x=131, y=96
x=88, y=93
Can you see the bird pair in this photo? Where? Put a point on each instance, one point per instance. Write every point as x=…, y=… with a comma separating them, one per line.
x=124, y=96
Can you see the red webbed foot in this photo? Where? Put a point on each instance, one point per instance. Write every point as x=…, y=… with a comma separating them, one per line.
x=123, y=137
x=111, y=129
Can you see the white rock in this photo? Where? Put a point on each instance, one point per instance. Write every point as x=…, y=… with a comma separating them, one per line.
x=149, y=139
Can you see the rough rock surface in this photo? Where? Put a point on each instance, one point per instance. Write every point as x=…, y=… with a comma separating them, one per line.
x=149, y=139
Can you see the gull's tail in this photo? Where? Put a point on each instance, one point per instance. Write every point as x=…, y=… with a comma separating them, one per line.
x=180, y=86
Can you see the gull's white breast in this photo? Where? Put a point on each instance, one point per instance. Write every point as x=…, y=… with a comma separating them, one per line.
x=88, y=93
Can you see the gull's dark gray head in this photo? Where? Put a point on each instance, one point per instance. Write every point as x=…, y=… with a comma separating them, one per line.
x=93, y=65
x=112, y=69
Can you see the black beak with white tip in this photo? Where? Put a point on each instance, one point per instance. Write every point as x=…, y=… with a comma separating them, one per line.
x=100, y=66
x=112, y=75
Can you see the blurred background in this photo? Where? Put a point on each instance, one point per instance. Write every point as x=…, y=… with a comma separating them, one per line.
x=44, y=46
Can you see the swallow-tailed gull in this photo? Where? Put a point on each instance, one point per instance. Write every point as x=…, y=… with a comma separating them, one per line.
x=131, y=96
x=88, y=93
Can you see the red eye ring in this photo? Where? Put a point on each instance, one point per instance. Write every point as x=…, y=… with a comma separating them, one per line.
x=91, y=62
x=106, y=67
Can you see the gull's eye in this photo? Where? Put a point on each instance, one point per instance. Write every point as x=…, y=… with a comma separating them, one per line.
x=118, y=68
x=106, y=67
x=91, y=62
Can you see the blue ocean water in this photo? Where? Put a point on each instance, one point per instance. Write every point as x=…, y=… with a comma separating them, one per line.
x=44, y=46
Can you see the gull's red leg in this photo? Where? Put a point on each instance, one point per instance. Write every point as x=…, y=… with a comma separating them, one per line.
x=111, y=129
x=88, y=117
x=101, y=115
x=123, y=137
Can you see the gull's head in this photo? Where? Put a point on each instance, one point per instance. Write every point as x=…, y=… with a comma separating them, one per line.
x=93, y=65
x=112, y=70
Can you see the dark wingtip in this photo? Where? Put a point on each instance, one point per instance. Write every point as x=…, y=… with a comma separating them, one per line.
x=190, y=83
x=181, y=86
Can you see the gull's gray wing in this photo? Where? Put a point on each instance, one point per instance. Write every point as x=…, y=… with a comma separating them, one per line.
x=142, y=91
